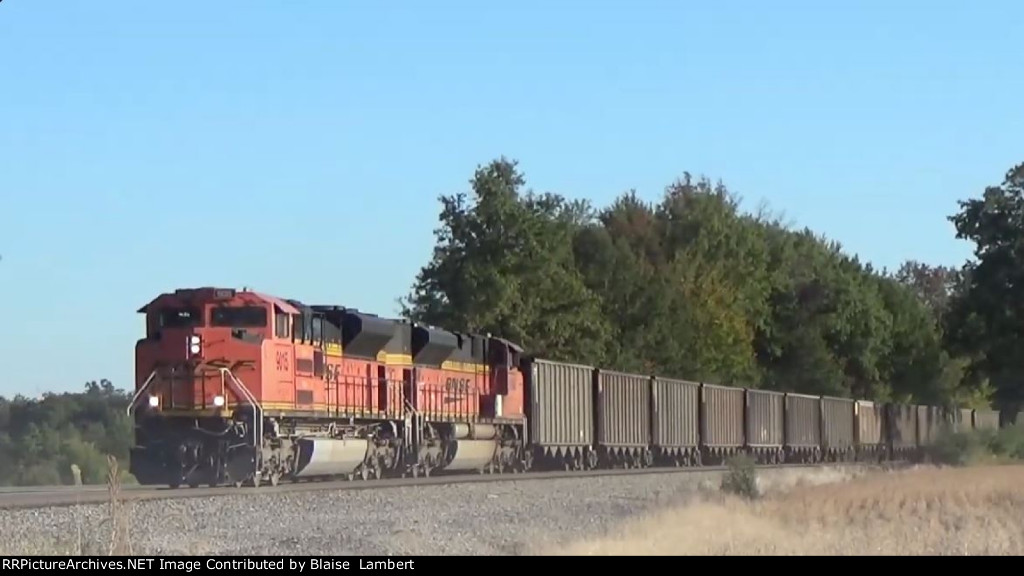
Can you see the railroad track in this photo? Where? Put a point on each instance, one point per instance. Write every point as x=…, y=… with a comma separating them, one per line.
x=44, y=496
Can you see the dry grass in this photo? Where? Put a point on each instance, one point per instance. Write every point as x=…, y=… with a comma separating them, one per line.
x=119, y=519
x=110, y=536
x=951, y=511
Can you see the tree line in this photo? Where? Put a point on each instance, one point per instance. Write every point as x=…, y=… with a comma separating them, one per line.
x=40, y=439
x=689, y=286
x=692, y=287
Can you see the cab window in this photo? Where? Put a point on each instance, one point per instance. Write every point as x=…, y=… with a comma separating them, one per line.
x=238, y=316
x=281, y=326
x=179, y=318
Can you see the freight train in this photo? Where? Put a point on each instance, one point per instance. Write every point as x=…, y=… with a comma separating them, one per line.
x=239, y=387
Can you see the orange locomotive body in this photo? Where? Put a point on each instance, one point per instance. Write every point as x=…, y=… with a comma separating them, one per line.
x=241, y=387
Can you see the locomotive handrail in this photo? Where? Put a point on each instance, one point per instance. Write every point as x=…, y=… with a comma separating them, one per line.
x=239, y=388
x=135, y=398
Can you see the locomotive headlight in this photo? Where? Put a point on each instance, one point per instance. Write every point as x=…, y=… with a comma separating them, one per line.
x=218, y=401
x=154, y=401
x=194, y=344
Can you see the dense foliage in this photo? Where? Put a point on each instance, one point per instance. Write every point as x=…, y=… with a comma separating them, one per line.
x=41, y=439
x=693, y=287
x=689, y=286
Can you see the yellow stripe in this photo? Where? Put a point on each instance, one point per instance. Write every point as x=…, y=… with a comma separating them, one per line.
x=394, y=359
x=454, y=366
x=469, y=367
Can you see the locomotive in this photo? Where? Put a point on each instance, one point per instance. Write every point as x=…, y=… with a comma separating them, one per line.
x=240, y=387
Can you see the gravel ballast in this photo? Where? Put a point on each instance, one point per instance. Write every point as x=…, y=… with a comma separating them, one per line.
x=491, y=518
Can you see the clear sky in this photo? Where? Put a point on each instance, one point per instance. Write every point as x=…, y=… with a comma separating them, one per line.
x=299, y=148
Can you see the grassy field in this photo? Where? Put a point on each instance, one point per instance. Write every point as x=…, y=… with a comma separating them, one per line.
x=933, y=511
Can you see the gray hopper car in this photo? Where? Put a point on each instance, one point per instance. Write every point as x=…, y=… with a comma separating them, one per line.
x=676, y=421
x=986, y=419
x=931, y=422
x=722, y=421
x=623, y=418
x=872, y=430
x=962, y=420
x=902, y=429
x=561, y=401
x=838, y=429
x=766, y=425
x=803, y=428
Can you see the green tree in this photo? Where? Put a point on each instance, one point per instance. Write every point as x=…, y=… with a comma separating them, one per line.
x=687, y=287
x=933, y=285
x=41, y=438
x=504, y=264
x=986, y=318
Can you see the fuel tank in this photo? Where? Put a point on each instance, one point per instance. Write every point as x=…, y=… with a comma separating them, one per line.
x=472, y=454
x=474, y=431
x=329, y=456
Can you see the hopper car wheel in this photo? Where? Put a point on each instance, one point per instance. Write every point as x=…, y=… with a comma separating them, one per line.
x=376, y=473
x=275, y=478
x=364, y=473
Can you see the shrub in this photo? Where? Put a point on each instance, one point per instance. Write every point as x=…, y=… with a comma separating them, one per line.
x=1008, y=443
x=966, y=448
x=741, y=478
x=959, y=449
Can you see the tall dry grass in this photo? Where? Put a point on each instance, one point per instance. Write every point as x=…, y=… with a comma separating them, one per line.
x=105, y=536
x=950, y=511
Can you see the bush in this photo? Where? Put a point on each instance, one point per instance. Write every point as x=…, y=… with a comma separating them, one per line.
x=1008, y=443
x=741, y=478
x=966, y=448
x=959, y=449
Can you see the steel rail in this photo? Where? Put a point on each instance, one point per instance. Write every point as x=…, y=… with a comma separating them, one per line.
x=47, y=496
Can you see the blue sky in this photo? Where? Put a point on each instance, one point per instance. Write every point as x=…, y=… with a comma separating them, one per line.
x=300, y=148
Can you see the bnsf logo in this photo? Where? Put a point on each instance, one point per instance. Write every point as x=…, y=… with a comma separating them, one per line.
x=456, y=384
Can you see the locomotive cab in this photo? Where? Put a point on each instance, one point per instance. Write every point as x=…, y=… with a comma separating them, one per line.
x=199, y=376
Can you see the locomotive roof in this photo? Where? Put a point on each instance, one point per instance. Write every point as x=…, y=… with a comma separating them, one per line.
x=208, y=292
x=287, y=307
